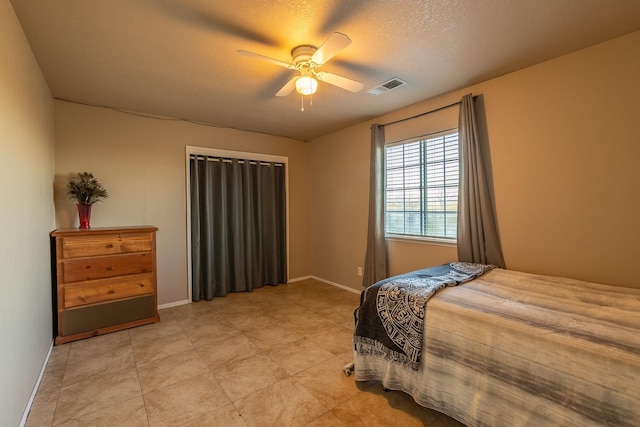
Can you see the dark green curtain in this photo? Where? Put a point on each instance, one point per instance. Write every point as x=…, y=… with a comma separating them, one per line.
x=238, y=225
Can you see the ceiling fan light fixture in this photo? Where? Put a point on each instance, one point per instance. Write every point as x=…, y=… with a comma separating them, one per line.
x=306, y=85
x=306, y=60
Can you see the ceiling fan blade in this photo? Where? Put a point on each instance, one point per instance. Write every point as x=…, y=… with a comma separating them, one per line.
x=202, y=16
x=341, y=82
x=334, y=44
x=342, y=13
x=288, y=88
x=266, y=58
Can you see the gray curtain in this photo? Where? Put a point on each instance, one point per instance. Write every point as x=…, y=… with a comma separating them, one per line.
x=478, y=239
x=376, y=260
x=238, y=228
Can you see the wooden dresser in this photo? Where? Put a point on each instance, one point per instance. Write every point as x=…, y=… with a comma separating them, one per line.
x=105, y=280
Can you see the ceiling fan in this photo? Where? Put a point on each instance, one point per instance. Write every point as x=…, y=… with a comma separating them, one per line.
x=306, y=60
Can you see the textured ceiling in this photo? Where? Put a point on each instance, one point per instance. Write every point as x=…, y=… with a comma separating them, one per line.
x=177, y=58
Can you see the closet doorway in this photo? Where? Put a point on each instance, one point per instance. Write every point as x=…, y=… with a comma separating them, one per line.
x=237, y=221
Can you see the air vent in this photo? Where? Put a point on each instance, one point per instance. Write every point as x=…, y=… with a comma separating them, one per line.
x=387, y=86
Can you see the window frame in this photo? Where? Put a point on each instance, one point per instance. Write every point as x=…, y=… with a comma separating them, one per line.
x=421, y=238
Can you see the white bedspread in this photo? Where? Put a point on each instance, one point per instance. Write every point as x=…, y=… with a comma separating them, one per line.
x=514, y=349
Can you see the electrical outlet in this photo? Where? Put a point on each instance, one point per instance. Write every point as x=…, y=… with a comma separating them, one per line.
x=359, y=271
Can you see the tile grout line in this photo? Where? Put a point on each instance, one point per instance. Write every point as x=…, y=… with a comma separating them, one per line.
x=135, y=363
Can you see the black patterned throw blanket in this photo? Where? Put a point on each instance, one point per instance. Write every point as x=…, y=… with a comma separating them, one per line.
x=390, y=319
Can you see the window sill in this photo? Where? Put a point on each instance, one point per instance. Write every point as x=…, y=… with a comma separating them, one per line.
x=422, y=240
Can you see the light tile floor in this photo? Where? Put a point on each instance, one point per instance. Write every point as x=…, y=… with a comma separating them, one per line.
x=271, y=357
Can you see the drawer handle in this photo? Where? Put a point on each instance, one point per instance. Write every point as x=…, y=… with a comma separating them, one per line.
x=111, y=268
x=142, y=285
x=112, y=291
x=110, y=245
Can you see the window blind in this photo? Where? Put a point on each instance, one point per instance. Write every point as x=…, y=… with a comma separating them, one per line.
x=422, y=186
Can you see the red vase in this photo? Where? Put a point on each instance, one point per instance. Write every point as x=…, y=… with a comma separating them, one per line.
x=84, y=214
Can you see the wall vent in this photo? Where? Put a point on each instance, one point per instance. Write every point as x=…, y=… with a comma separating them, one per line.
x=387, y=86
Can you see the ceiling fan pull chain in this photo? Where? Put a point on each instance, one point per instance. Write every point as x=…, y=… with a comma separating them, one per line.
x=310, y=102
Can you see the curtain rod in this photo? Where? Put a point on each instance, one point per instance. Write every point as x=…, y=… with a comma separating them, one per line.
x=229, y=160
x=425, y=113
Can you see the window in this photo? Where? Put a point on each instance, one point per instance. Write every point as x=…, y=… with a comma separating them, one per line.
x=422, y=187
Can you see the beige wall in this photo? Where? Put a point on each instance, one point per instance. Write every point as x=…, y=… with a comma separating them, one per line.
x=141, y=163
x=564, y=148
x=339, y=185
x=26, y=218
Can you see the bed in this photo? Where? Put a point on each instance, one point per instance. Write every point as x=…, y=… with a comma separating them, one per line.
x=506, y=348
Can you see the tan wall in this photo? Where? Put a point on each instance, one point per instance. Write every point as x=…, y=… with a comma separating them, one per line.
x=340, y=182
x=141, y=162
x=567, y=187
x=26, y=218
x=564, y=148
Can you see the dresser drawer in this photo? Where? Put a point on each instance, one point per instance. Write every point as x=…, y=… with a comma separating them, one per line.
x=107, y=290
x=76, y=270
x=74, y=247
x=94, y=318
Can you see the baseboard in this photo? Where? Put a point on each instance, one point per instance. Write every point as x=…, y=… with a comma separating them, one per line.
x=173, y=304
x=328, y=282
x=298, y=279
x=23, y=421
x=337, y=285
